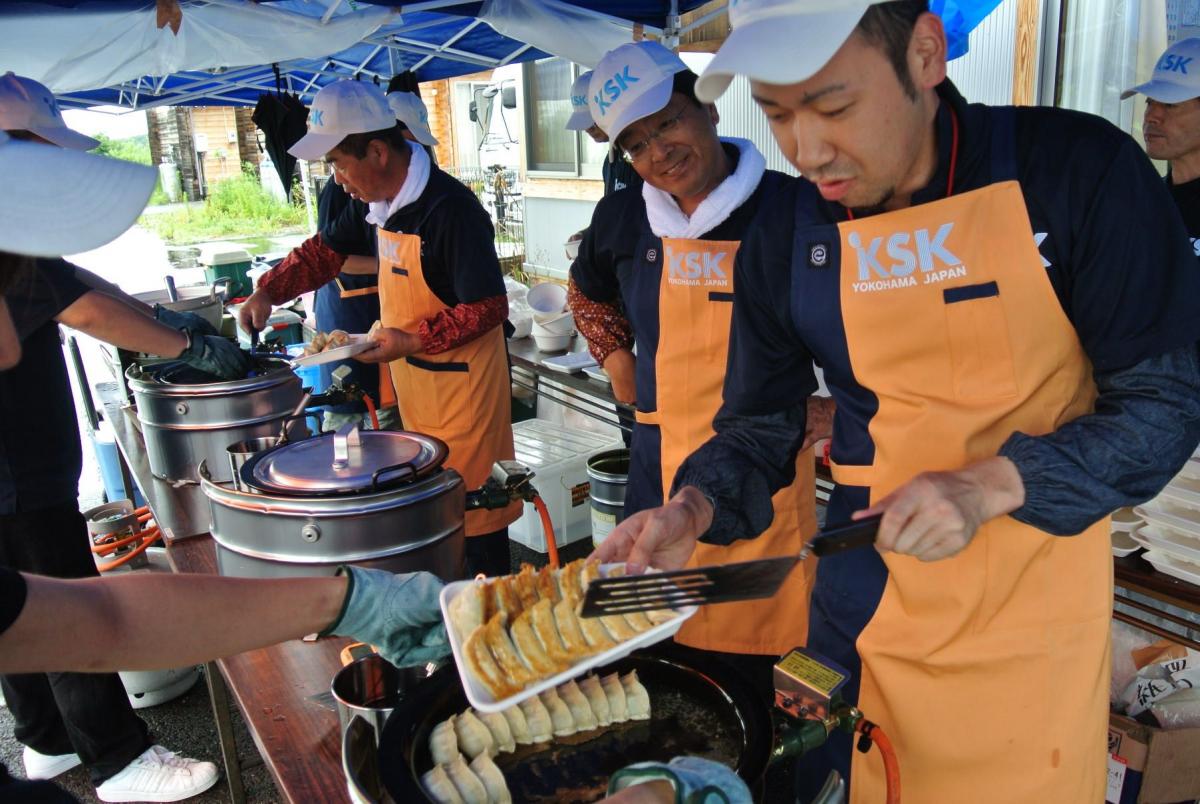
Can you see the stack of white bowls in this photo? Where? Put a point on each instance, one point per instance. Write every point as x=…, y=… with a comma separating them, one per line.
x=1171, y=533
x=553, y=323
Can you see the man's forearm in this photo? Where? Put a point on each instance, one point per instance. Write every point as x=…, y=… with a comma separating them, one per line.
x=110, y=320
x=145, y=621
x=1145, y=426
x=306, y=268
x=740, y=469
x=104, y=286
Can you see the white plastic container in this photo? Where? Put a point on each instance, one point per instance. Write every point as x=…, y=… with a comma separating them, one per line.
x=558, y=456
x=484, y=701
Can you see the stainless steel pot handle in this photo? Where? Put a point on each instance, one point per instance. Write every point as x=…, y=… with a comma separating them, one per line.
x=359, y=743
x=412, y=471
x=347, y=436
x=219, y=281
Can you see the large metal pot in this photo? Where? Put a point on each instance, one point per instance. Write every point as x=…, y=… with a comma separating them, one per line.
x=390, y=505
x=187, y=419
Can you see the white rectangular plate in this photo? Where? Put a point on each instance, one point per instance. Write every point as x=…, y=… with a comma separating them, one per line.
x=482, y=699
x=1182, y=570
x=357, y=345
x=1154, y=513
x=1170, y=542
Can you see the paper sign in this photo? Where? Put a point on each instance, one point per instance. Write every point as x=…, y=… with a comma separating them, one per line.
x=1116, y=779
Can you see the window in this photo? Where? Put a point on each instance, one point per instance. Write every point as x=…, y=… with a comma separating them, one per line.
x=553, y=149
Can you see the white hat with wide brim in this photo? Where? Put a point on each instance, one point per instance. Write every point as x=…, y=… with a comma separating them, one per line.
x=55, y=201
x=780, y=41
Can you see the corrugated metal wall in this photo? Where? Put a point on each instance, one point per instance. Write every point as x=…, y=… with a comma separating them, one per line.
x=984, y=75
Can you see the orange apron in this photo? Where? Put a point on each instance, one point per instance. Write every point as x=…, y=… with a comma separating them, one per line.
x=988, y=670
x=461, y=396
x=693, y=348
x=387, y=393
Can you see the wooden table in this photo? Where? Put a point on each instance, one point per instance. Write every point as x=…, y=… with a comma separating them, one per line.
x=282, y=691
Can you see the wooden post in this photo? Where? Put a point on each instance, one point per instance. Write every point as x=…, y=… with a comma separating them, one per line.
x=1025, y=59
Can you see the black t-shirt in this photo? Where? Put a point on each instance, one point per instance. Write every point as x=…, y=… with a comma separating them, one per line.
x=12, y=597
x=339, y=219
x=1113, y=245
x=1187, y=198
x=458, y=256
x=40, y=457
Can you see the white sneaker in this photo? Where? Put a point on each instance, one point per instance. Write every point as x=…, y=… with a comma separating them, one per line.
x=159, y=775
x=47, y=766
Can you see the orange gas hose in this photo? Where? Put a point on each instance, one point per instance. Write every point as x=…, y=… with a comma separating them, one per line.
x=371, y=410
x=547, y=529
x=891, y=767
x=103, y=548
x=151, y=536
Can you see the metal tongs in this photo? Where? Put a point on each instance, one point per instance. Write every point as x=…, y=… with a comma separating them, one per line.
x=719, y=583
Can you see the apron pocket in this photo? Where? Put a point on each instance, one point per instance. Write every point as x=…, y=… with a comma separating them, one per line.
x=980, y=354
x=440, y=391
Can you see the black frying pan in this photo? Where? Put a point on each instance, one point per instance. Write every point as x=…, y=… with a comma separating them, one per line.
x=699, y=708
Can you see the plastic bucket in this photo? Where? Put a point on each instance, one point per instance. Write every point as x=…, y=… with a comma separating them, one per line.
x=608, y=473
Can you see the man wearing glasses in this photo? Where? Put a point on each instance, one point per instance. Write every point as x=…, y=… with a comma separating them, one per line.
x=656, y=268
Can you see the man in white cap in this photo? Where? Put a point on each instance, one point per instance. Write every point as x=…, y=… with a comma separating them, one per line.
x=64, y=720
x=962, y=274
x=1171, y=126
x=656, y=268
x=441, y=293
x=617, y=173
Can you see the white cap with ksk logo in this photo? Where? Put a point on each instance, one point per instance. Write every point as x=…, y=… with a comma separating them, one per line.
x=581, y=115
x=339, y=110
x=631, y=82
x=1176, y=75
x=780, y=41
x=26, y=105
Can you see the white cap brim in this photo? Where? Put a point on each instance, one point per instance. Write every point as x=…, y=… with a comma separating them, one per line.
x=652, y=100
x=1163, y=92
x=313, y=147
x=64, y=137
x=580, y=120
x=423, y=134
x=55, y=201
x=755, y=49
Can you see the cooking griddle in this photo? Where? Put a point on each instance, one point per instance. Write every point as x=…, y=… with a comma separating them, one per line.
x=693, y=712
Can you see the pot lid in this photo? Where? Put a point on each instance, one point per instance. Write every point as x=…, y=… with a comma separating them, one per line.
x=345, y=462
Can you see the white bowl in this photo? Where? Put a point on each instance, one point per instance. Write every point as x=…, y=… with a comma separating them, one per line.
x=552, y=343
x=561, y=324
x=547, y=298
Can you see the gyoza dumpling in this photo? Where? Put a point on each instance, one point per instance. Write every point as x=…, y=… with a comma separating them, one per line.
x=318, y=342
x=531, y=648
x=525, y=584
x=518, y=725
x=569, y=629
x=483, y=665
x=502, y=736
x=505, y=597
x=492, y=778
x=655, y=617
x=595, y=633
x=466, y=782
x=540, y=727
x=541, y=617
x=569, y=582
x=617, y=707
x=547, y=586
x=338, y=337
x=501, y=646
x=638, y=621
x=474, y=738
x=439, y=787
x=443, y=742
x=466, y=610
x=577, y=702
x=590, y=687
x=560, y=715
x=637, y=700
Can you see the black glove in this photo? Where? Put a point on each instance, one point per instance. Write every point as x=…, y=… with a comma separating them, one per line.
x=184, y=322
x=216, y=355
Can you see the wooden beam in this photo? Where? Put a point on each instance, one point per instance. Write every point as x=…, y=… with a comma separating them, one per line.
x=1025, y=57
x=705, y=46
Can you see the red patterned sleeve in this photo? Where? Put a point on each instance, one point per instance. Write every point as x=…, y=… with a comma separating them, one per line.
x=306, y=267
x=603, y=325
x=461, y=324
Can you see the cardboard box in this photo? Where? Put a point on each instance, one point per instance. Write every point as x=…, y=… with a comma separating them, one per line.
x=1148, y=765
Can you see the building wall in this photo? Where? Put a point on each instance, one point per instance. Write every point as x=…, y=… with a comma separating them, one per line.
x=222, y=155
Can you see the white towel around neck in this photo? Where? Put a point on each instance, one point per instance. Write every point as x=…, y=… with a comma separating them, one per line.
x=414, y=185
x=667, y=220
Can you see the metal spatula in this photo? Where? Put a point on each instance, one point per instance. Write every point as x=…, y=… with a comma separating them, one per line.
x=719, y=583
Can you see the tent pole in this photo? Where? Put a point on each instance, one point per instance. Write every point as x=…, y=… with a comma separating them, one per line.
x=312, y=224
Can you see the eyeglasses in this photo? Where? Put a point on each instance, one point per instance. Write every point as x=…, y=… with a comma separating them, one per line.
x=638, y=150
